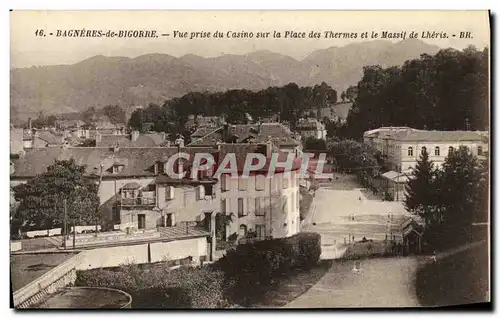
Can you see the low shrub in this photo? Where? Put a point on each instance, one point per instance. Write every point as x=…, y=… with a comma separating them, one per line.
x=256, y=265
x=158, y=287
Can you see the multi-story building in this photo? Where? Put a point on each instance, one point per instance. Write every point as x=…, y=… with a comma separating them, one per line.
x=401, y=147
x=258, y=204
x=136, y=193
x=134, y=139
x=311, y=128
x=276, y=133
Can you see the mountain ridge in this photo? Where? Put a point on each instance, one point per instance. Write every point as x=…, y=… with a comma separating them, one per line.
x=155, y=77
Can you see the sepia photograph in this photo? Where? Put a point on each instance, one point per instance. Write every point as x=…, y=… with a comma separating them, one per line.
x=250, y=159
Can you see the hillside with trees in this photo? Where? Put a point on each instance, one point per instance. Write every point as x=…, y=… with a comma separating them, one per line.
x=289, y=102
x=447, y=91
x=155, y=78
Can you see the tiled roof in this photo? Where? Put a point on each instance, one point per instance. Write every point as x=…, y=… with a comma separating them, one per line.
x=144, y=140
x=275, y=132
x=69, y=123
x=386, y=131
x=202, y=131
x=423, y=135
x=50, y=137
x=105, y=125
x=136, y=161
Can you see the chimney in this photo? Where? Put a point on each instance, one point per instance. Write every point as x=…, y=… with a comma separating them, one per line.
x=134, y=135
x=180, y=142
x=163, y=135
x=269, y=149
x=29, y=123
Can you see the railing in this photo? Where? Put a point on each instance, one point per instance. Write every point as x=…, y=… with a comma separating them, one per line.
x=59, y=277
x=139, y=201
x=250, y=240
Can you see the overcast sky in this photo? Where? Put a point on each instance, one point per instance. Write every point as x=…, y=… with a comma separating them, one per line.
x=27, y=49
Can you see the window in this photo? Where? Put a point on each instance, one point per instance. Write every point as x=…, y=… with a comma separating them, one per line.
x=410, y=151
x=260, y=182
x=241, y=207
x=200, y=192
x=242, y=183
x=436, y=151
x=286, y=180
x=260, y=209
x=224, y=182
x=479, y=151
x=242, y=231
x=223, y=206
x=260, y=231
x=117, y=169
x=160, y=167
x=424, y=150
x=209, y=189
x=297, y=197
x=169, y=193
x=450, y=150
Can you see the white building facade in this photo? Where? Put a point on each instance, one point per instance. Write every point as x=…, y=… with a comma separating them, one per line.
x=401, y=147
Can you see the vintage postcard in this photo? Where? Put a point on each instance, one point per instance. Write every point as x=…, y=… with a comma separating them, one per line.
x=249, y=159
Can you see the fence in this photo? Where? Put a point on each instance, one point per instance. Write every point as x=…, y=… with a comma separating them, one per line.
x=65, y=273
x=58, y=231
x=59, y=277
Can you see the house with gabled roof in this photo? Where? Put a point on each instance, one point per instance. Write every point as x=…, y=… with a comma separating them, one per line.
x=137, y=194
x=276, y=133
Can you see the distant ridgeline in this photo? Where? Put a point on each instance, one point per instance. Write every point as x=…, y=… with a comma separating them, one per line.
x=155, y=78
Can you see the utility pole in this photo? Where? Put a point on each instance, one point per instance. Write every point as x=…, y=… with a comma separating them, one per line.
x=270, y=207
x=65, y=223
x=99, y=198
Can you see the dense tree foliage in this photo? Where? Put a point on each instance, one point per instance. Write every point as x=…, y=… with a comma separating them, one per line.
x=420, y=196
x=450, y=199
x=115, y=113
x=356, y=157
x=41, y=199
x=43, y=121
x=290, y=102
x=447, y=91
x=312, y=144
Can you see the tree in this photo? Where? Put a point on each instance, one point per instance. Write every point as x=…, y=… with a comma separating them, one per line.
x=313, y=143
x=351, y=93
x=90, y=115
x=459, y=193
x=354, y=156
x=454, y=199
x=115, y=113
x=447, y=91
x=41, y=199
x=420, y=196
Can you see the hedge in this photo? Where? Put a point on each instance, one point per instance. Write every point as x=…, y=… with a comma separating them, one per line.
x=240, y=275
x=186, y=287
x=258, y=264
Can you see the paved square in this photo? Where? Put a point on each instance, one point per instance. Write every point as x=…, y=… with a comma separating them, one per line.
x=343, y=209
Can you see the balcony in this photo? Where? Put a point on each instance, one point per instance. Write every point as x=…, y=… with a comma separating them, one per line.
x=144, y=199
x=248, y=240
